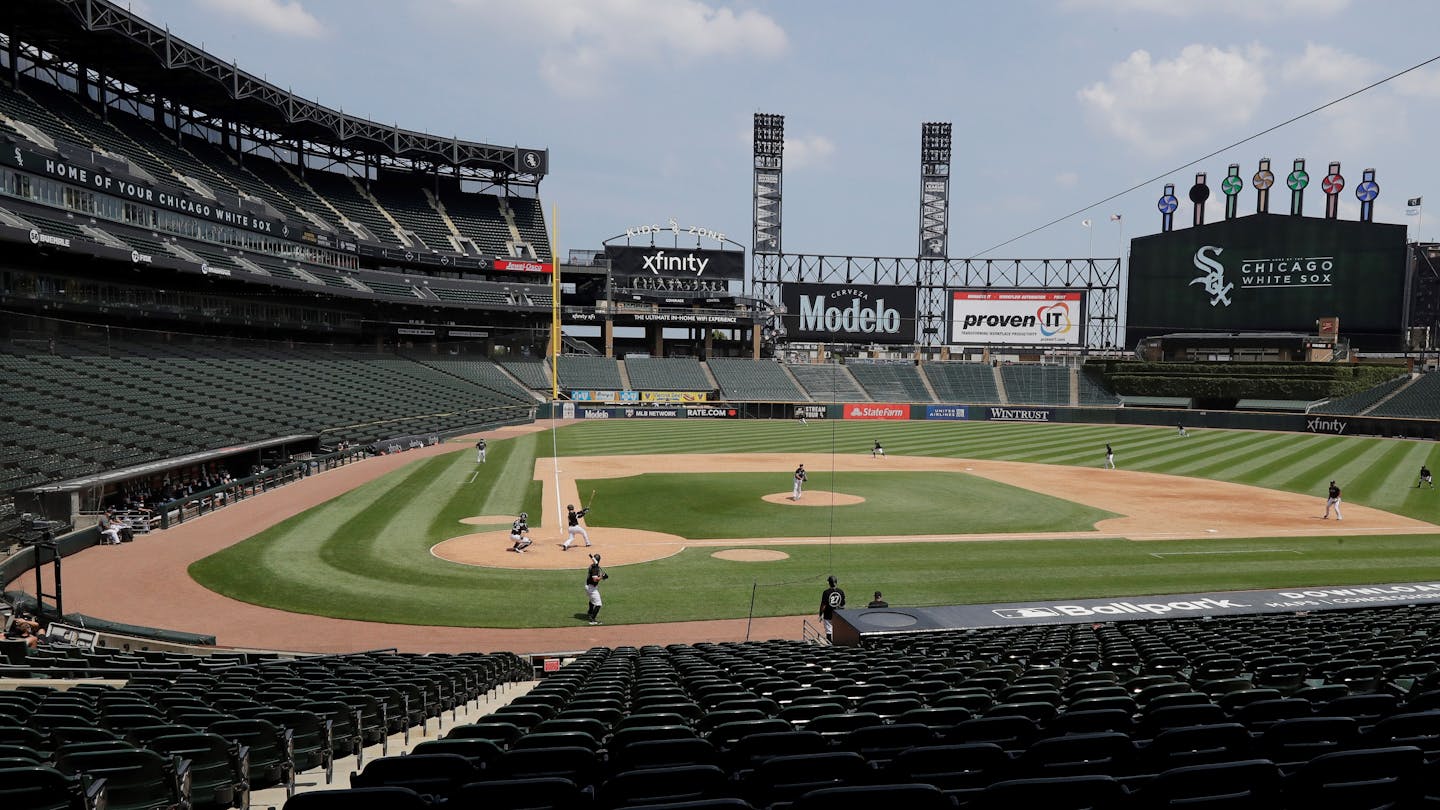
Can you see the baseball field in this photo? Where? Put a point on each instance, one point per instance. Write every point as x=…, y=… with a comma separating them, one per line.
x=693, y=520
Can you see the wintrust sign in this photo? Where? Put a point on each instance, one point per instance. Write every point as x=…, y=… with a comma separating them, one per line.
x=875, y=410
x=823, y=313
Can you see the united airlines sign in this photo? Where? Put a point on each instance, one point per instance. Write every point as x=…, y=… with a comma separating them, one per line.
x=850, y=313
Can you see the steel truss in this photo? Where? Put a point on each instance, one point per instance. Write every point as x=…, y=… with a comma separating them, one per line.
x=932, y=278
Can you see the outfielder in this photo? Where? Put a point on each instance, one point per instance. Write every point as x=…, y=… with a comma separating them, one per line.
x=800, y=478
x=1332, y=501
x=593, y=578
x=1425, y=478
x=520, y=534
x=877, y=451
x=1109, y=457
x=1183, y=432
x=480, y=452
x=575, y=528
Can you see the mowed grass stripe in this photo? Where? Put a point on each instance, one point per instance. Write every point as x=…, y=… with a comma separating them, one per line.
x=1254, y=450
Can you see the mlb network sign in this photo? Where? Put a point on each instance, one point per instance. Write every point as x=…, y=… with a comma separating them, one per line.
x=853, y=313
x=1017, y=317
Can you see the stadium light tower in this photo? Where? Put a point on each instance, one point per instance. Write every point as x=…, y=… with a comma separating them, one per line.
x=934, y=190
x=769, y=171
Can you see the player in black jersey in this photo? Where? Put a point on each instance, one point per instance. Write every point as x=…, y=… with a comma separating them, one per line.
x=480, y=451
x=800, y=479
x=1332, y=501
x=830, y=601
x=593, y=578
x=520, y=533
x=573, y=518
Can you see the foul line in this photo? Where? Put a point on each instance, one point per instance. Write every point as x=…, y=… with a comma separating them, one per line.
x=1237, y=551
x=472, y=477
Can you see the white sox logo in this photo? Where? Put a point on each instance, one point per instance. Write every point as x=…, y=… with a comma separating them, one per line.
x=1213, y=280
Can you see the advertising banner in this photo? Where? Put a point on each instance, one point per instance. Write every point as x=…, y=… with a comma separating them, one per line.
x=1020, y=414
x=876, y=410
x=671, y=262
x=946, y=412
x=849, y=313
x=1269, y=273
x=521, y=266
x=1017, y=317
x=811, y=411
x=639, y=396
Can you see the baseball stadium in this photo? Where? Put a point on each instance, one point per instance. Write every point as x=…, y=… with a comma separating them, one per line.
x=328, y=482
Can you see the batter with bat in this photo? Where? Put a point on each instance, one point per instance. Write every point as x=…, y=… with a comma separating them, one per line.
x=573, y=518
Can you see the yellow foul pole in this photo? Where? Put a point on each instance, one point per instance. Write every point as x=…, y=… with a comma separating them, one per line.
x=555, y=335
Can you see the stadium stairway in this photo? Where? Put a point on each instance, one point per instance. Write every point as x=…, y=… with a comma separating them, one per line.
x=925, y=381
x=1074, y=387
x=796, y=381
x=1413, y=379
x=624, y=374
x=710, y=375
x=397, y=744
x=1000, y=385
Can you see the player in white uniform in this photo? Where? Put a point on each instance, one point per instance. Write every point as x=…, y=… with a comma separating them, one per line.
x=574, y=518
x=877, y=451
x=520, y=534
x=1109, y=458
x=593, y=577
x=800, y=478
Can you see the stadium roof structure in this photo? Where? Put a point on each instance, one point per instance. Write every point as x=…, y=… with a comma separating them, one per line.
x=122, y=49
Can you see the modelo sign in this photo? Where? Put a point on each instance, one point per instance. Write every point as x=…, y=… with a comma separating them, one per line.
x=1017, y=317
x=853, y=313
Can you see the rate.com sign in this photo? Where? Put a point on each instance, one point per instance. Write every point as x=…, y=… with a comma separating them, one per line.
x=1017, y=317
x=876, y=410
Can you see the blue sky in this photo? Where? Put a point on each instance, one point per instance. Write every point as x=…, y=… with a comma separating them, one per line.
x=646, y=105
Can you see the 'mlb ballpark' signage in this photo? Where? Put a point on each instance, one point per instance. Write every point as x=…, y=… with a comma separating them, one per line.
x=876, y=410
x=1017, y=317
x=853, y=313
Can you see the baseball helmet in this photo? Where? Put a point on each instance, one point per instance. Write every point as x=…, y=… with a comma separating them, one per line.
x=595, y=557
x=570, y=506
x=832, y=581
x=524, y=516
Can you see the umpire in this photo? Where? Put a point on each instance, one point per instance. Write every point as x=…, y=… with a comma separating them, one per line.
x=593, y=578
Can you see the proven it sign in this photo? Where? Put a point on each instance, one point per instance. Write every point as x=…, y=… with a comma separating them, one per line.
x=1017, y=317
x=852, y=313
x=876, y=410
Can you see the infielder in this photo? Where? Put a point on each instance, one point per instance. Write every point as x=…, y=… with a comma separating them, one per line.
x=877, y=451
x=593, y=578
x=520, y=534
x=830, y=601
x=1332, y=501
x=1109, y=457
x=1425, y=478
x=575, y=528
x=800, y=478
x=480, y=452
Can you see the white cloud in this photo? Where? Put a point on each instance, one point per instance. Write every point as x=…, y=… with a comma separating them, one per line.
x=1067, y=179
x=807, y=151
x=1328, y=65
x=582, y=40
x=1423, y=83
x=1161, y=106
x=1248, y=9
x=278, y=16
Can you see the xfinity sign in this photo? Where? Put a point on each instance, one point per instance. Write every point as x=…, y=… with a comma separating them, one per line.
x=853, y=313
x=672, y=262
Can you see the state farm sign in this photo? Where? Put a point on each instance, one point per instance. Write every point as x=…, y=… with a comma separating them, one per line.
x=876, y=410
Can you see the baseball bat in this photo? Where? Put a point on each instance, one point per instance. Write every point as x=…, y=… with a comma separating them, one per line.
x=590, y=504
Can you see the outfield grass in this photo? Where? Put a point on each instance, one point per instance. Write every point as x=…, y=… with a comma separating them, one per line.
x=365, y=554
x=702, y=506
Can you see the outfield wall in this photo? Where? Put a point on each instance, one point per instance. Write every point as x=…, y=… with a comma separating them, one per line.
x=1327, y=424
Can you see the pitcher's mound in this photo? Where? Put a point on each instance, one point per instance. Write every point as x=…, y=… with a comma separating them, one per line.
x=814, y=497
x=750, y=555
